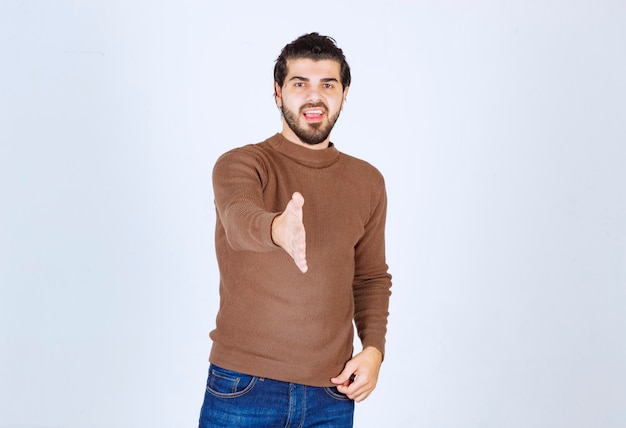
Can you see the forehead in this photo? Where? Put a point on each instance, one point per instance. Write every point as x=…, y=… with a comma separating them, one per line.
x=306, y=67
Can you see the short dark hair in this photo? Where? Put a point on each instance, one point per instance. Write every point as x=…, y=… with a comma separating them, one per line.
x=311, y=46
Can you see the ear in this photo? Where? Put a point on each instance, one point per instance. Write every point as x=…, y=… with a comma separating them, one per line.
x=278, y=96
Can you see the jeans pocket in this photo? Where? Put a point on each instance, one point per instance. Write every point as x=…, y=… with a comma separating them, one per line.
x=229, y=384
x=334, y=393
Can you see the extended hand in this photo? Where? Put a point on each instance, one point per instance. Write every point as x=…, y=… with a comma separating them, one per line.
x=365, y=367
x=288, y=231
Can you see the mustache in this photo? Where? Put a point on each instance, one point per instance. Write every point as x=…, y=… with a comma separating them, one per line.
x=314, y=105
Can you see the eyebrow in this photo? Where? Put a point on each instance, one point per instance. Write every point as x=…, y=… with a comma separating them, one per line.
x=306, y=79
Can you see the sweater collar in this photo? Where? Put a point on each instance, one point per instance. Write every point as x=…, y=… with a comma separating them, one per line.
x=308, y=157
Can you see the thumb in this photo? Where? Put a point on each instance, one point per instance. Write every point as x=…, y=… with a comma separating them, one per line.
x=294, y=206
x=345, y=377
x=297, y=200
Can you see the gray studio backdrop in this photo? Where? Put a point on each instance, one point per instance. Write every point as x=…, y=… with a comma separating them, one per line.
x=500, y=127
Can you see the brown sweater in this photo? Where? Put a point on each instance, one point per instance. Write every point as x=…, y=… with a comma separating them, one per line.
x=275, y=321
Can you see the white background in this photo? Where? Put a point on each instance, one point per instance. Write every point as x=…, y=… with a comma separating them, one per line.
x=500, y=127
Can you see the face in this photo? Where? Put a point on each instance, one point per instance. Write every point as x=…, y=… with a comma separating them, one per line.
x=311, y=100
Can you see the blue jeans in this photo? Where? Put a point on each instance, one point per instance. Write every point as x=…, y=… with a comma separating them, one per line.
x=237, y=400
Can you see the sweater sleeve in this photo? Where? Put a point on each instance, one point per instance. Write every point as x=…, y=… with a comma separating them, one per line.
x=238, y=188
x=372, y=282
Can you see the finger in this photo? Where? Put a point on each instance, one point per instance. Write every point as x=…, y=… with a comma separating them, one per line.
x=350, y=391
x=301, y=264
x=361, y=397
x=295, y=204
x=298, y=199
x=355, y=391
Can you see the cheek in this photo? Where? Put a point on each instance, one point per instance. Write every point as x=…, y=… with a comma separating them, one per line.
x=291, y=101
x=336, y=105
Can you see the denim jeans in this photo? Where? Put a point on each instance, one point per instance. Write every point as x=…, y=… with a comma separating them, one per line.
x=237, y=400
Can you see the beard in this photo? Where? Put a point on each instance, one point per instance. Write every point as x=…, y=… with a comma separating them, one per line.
x=311, y=133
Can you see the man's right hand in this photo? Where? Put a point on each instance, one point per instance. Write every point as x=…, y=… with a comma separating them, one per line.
x=288, y=231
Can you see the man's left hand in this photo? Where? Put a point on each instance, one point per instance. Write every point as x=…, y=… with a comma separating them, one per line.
x=365, y=367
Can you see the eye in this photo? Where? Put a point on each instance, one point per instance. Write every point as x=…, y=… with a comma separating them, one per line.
x=299, y=84
x=328, y=86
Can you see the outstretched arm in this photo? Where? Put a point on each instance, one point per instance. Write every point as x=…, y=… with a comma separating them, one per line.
x=288, y=231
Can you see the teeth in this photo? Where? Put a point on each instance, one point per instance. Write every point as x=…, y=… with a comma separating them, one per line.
x=314, y=112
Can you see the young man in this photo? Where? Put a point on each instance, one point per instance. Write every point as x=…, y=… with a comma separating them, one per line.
x=301, y=252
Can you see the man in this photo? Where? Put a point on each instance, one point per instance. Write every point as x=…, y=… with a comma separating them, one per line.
x=301, y=252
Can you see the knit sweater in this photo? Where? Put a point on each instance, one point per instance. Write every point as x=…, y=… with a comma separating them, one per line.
x=275, y=321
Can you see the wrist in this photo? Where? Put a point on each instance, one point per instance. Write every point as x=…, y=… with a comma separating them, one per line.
x=375, y=352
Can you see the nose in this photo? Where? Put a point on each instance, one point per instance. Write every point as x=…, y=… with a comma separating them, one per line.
x=313, y=95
